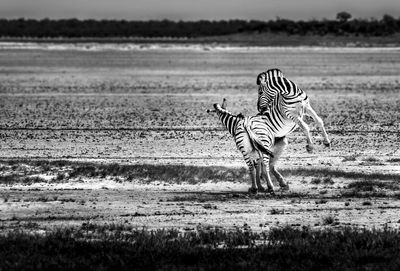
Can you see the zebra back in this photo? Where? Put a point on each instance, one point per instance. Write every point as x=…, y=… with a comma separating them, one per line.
x=260, y=134
x=253, y=129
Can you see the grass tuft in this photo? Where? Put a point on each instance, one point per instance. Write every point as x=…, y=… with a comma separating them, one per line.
x=145, y=172
x=338, y=173
x=350, y=158
x=14, y=178
x=275, y=211
x=371, y=159
x=361, y=194
x=328, y=220
x=369, y=185
x=324, y=180
x=393, y=160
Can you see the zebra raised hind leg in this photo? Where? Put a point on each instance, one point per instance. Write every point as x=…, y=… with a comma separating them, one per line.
x=285, y=104
x=255, y=141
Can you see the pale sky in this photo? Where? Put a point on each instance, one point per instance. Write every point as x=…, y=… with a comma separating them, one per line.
x=196, y=9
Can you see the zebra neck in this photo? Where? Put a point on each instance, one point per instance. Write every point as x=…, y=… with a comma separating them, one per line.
x=292, y=97
x=277, y=107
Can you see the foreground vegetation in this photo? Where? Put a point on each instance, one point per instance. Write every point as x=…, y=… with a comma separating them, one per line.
x=93, y=247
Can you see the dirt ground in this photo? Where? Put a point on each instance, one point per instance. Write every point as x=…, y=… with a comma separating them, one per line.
x=148, y=106
x=186, y=206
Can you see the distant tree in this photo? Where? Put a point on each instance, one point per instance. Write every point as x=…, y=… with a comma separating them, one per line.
x=389, y=24
x=343, y=16
x=73, y=28
x=388, y=18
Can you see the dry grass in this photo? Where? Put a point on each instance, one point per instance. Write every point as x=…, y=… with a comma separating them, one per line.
x=373, y=185
x=393, y=160
x=175, y=173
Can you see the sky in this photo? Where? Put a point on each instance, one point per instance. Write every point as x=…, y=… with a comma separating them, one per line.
x=190, y=10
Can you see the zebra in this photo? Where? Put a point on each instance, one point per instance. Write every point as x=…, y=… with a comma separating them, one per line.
x=255, y=140
x=285, y=104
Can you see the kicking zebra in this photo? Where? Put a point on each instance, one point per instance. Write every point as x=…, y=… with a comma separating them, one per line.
x=285, y=104
x=255, y=140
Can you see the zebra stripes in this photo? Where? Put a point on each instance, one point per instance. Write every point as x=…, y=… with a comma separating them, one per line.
x=255, y=140
x=285, y=104
x=273, y=83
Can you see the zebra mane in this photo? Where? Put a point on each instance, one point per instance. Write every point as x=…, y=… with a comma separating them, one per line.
x=229, y=120
x=219, y=109
x=263, y=88
x=224, y=111
x=271, y=73
x=274, y=73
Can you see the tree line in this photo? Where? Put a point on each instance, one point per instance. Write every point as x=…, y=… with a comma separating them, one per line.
x=73, y=28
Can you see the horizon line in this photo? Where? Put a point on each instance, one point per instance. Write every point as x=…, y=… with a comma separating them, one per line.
x=195, y=20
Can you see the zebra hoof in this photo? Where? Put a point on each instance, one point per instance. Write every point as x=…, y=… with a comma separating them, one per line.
x=285, y=187
x=271, y=191
x=309, y=148
x=262, y=189
x=253, y=190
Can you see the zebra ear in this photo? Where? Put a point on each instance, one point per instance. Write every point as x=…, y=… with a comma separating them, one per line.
x=259, y=79
x=223, y=106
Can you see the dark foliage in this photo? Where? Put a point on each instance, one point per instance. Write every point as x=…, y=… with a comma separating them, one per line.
x=74, y=28
x=12, y=179
x=168, y=173
x=372, y=185
x=100, y=248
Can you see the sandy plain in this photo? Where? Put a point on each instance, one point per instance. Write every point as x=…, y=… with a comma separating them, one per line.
x=146, y=105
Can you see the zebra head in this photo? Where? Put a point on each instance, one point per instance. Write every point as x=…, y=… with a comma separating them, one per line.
x=266, y=95
x=265, y=98
x=261, y=78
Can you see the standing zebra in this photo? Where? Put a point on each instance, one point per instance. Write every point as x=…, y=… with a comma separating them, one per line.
x=255, y=139
x=285, y=104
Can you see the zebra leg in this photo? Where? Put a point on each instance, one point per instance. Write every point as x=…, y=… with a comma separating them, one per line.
x=279, y=147
x=265, y=174
x=258, y=175
x=306, y=130
x=244, y=145
x=253, y=188
x=318, y=120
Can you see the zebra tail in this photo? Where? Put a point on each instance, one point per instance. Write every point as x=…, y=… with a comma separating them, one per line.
x=258, y=145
